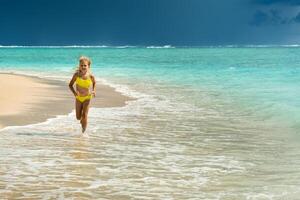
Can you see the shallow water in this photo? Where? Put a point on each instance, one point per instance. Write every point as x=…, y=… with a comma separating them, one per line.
x=208, y=123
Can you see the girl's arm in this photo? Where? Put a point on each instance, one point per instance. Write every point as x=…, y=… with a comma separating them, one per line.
x=94, y=85
x=72, y=83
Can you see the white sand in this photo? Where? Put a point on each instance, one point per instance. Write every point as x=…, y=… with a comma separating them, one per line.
x=25, y=99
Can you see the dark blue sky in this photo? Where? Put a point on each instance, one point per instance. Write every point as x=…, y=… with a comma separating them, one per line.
x=149, y=22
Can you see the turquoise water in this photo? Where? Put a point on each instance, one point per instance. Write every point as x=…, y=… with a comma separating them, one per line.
x=264, y=81
x=213, y=123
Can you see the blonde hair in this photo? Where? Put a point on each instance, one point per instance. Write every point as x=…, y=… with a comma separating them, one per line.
x=84, y=58
x=88, y=60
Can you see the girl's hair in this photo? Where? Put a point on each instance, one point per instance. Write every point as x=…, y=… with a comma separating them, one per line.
x=84, y=58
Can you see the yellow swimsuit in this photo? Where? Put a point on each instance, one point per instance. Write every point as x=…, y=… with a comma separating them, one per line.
x=84, y=83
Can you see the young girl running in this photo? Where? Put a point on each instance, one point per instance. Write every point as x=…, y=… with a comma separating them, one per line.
x=85, y=90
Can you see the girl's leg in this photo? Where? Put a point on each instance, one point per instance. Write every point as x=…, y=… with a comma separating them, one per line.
x=78, y=106
x=85, y=111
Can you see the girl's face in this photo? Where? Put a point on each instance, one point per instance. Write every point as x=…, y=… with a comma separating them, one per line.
x=84, y=65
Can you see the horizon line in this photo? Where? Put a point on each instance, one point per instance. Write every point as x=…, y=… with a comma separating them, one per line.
x=151, y=46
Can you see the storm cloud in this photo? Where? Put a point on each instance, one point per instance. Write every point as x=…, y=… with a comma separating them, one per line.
x=270, y=17
x=149, y=22
x=282, y=2
x=275, y=12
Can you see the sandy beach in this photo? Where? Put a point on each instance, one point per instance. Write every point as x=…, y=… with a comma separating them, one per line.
x=27, y=99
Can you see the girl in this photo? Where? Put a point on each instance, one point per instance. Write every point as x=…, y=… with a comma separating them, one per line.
x=84, y=80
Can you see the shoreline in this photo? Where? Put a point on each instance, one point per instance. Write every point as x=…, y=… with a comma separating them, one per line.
x=29, y=99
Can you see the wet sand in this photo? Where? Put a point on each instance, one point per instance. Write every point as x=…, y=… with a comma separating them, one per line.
x=27, y=99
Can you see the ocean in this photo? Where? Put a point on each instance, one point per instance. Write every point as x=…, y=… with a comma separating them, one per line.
x=208, y=123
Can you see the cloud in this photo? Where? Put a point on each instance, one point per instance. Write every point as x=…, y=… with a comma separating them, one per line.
x=297, y=18
x=270, y=2
x=259, y=18
x=276, y=18
x=270, y=17
x=273, y=16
